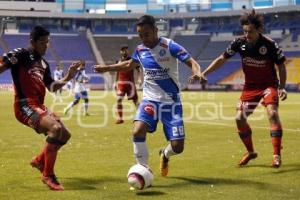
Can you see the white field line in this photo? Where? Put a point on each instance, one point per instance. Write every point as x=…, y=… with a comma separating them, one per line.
x=229, y=125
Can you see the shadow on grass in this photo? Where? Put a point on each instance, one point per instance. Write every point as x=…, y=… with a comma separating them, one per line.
x=150, y=193
x=288, y=168
x=214, y=181
x=79, y=183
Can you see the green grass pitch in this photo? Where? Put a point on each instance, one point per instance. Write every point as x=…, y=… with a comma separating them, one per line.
x=94, y=164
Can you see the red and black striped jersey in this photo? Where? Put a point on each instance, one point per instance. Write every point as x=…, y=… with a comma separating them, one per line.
x=258, y=60
x=30, y=72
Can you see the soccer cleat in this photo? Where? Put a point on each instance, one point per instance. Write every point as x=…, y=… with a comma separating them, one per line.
x=37, y=164
x=52, y=183
x=120, y=121
x=276, y=161
x=164, y=163
x=247, y=157
x=86, y=114
x=66, y=110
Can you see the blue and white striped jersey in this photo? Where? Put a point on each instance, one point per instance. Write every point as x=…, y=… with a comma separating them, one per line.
x=80, y=78
x=160, y=66
x=58, y=74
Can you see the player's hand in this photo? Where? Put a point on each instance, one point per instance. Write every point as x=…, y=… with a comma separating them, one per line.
x=73, y=68
x=282, y=94
x=100, y=68
x=197, y=77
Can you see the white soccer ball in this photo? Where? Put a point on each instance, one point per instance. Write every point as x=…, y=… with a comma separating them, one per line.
x=140, y=177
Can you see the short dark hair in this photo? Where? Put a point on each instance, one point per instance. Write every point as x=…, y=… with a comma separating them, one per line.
x=146, y=20
x=37, y=32
x=123, y=47
x=253, y=18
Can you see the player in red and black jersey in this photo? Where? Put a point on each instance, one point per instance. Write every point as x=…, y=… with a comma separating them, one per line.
x=126, y=85
x=259, y=55
x=31, y=76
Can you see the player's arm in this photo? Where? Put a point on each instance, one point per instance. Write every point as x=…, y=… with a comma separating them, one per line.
x=56, y=85
x=121, y=66
x=231, y=50
x=214, y=65
x=140, y=75
x=282, y=80
x=279, y=59
x=196, y=70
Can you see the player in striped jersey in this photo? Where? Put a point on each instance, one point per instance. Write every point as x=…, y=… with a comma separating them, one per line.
x=58, y=74
x=161, y=95
x=80, y=90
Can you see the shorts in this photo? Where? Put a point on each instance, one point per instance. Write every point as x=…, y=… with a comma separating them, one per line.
x=30, y=112
x=250, y=98
x=83, y=95
x=127, y=88
x=170, y=115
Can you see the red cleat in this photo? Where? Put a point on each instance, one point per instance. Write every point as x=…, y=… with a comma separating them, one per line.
x=120, y=121
x=247, y=157
x=37, y=164
x=276, y=161
x=52, y=183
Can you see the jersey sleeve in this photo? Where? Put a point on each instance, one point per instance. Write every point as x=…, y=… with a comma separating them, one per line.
x=135, y=56
x=178, y=51
x=48, y=80
x=277, y=54
x=232, y=49
x=13, y=58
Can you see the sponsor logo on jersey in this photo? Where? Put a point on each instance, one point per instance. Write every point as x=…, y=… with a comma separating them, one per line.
x=254, y=63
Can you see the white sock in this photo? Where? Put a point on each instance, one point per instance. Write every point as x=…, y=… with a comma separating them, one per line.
x=169, y=151
x=141, y=152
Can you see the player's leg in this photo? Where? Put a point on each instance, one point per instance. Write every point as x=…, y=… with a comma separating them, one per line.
x=140, y=148
x=133, y=95
x=57, y=136
x=84, y=96
x=120, y=96
x=271, y=102
x=171, y=117
x=244, y=109
x=145, y=121
x=119, y=110
x=72, y=104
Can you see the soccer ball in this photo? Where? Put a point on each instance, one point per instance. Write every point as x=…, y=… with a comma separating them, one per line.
x=139, y=177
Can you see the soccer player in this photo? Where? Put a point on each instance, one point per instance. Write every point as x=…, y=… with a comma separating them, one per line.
x=57, y=75
x=161, y=96
x=126, y=85
x=80, y=90
x=31, y=75
x=259, y=56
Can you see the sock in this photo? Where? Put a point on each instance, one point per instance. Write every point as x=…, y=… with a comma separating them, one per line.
x=120, y=111
x=169, y=151
x=245, y=134
x=276, y=134
x=86, y=105
x=50, y=158
x=140, y=150
x=41, y=157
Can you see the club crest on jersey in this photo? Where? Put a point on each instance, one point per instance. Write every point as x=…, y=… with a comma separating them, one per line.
x=162, y=52
x=263, y=50
x=13, y=60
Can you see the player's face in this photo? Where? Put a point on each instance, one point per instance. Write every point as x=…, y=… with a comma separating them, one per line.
x=148, y=35
x=41, y=45
x=124, y=53
x=251, y=33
